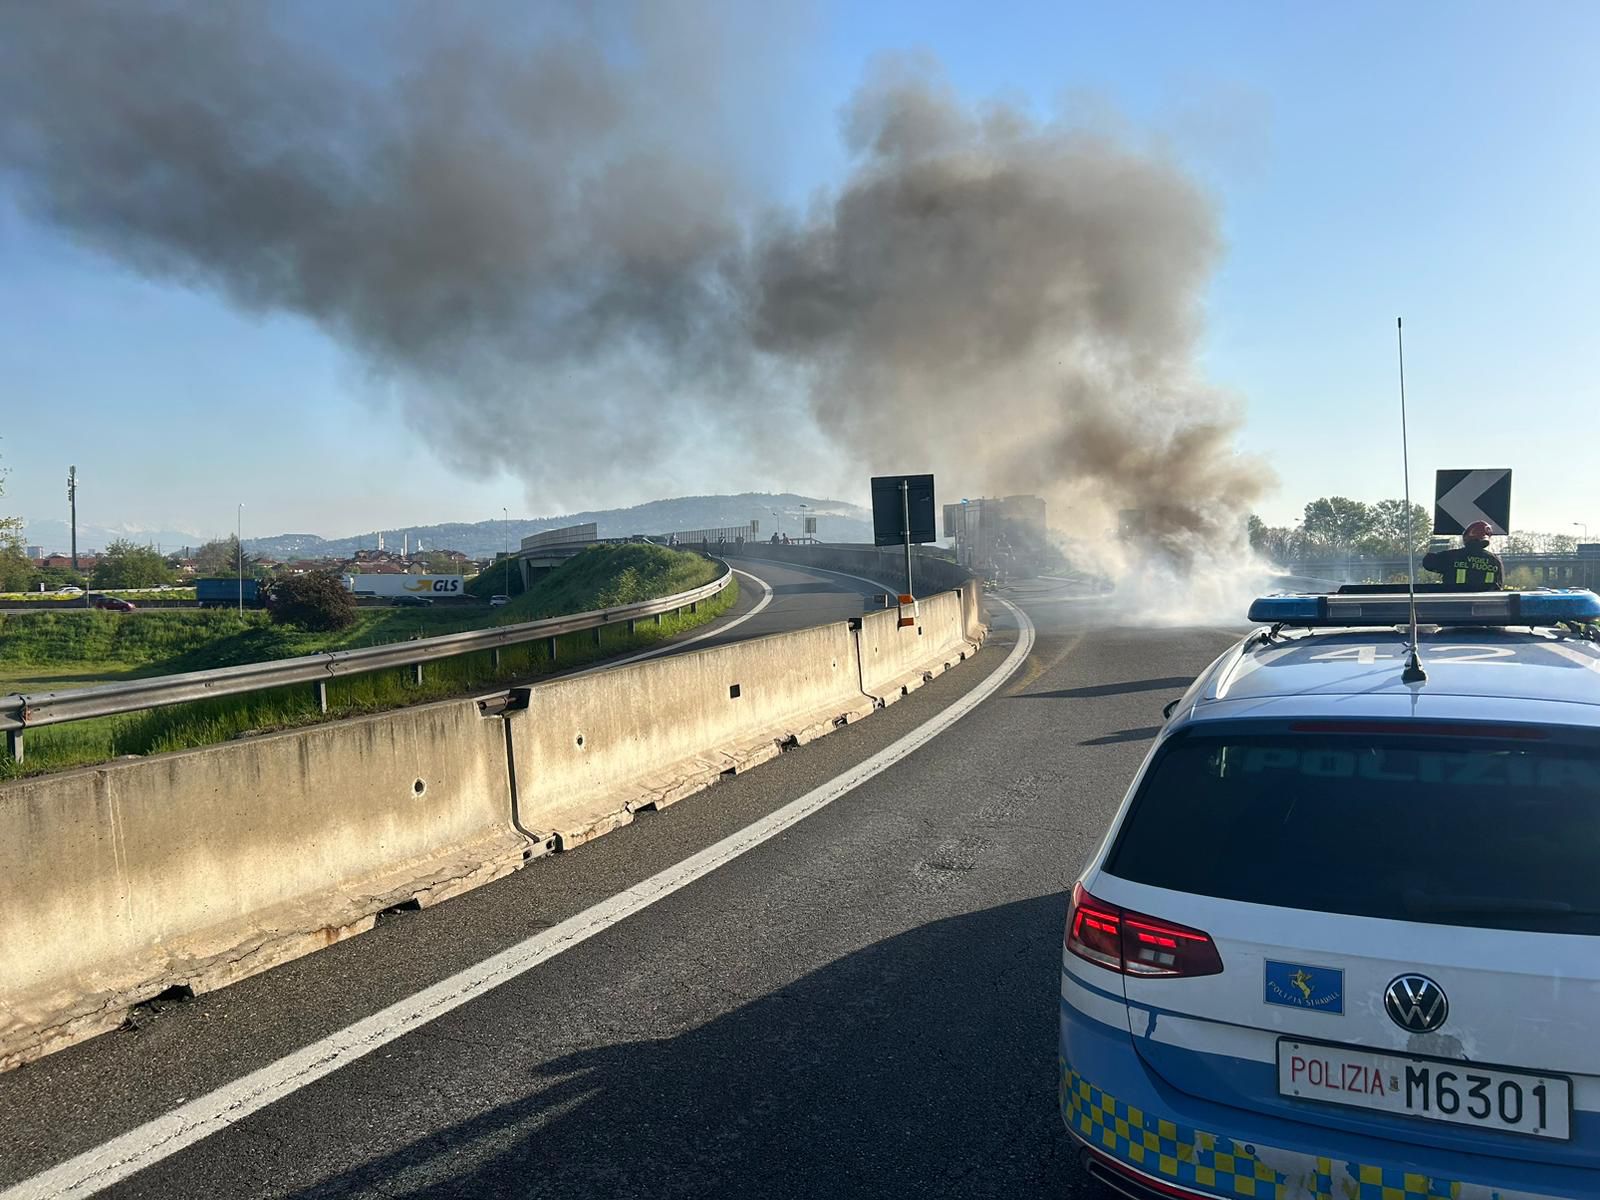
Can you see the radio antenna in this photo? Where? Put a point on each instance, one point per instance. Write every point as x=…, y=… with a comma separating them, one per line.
x=1413, y=672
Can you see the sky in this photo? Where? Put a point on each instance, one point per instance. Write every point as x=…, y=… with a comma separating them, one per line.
x=1431, y=160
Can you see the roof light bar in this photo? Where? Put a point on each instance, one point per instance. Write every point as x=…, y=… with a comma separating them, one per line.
x=1459, y=608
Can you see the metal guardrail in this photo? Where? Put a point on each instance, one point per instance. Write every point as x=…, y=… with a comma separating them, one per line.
x=22, y=712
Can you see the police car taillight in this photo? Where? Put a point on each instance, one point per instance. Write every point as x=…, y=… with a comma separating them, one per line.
x=1132, y=943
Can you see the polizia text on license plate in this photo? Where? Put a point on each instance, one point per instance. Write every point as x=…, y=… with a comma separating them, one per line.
x=1461, y=1093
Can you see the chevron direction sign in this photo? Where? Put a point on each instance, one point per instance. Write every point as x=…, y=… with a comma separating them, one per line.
x=1462, y=497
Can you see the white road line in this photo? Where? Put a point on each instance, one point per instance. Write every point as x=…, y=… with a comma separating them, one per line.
x=766, y=599
x=165, y=1136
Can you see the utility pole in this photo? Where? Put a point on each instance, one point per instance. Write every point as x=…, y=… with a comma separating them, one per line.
x=72, y=500
x=505, y=533
x=238, y=536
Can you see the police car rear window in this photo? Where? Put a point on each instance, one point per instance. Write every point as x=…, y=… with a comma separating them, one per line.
x=1450, y=831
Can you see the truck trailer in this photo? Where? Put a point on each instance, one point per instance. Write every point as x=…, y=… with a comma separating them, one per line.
x=226, y=593
x=388, y=587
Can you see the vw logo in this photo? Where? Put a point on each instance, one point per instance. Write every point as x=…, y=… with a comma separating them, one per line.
x=1416, y=1003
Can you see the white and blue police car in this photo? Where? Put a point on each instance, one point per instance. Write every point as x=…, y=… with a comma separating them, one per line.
x=1342, y=939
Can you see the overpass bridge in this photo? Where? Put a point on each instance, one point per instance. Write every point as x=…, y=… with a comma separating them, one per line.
x=831, y=973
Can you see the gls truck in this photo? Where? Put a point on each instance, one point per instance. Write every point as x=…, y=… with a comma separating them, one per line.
x=432, y=587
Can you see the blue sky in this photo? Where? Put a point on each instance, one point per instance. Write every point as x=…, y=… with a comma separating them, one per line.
x=1432, y=160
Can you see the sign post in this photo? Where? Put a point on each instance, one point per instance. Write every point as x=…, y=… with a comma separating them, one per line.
x=903, y=513
x=1462, y=497
x=905, y=508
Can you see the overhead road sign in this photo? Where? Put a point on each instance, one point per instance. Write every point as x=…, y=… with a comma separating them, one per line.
x=1462, y=497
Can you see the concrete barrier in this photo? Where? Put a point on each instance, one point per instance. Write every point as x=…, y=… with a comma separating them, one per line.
x=974, y=619
x=590, y=751
x=898, y=659
x=198, y=868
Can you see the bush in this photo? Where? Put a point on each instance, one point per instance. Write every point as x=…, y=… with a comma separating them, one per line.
x=316, y=600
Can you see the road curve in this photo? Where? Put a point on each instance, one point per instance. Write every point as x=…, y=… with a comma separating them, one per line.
x=863, y=1004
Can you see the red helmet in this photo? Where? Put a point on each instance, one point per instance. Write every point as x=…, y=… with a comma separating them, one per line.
x=1478, y=531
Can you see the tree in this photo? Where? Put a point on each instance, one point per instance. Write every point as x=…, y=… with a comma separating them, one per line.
x=1338, y=521
x=437, y=562
x=317, y=600
x=220, y=559
x=125, y=565
x=16, y=570
x=1539, y=543
x=1389, y=528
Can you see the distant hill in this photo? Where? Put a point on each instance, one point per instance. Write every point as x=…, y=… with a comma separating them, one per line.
x=55, y=536
x=837, y=521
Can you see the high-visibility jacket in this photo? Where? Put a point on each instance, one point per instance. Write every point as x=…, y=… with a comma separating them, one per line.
x=1468, y=568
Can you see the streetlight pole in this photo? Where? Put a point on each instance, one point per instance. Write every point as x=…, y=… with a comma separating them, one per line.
x=1583, y=526
x=238, y=537
x=505, y=533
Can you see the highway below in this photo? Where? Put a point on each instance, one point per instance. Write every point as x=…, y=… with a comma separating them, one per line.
x=862, y=1004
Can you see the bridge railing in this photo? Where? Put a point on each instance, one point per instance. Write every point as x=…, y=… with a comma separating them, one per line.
x=30, y=711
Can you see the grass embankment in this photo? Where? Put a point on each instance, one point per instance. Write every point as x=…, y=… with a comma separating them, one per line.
x=62, y=645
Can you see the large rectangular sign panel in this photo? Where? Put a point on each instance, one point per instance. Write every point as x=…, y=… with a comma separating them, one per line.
x=889, y=504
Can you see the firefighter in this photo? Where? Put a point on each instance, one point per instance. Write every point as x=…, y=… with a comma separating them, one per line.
x=1473, y=567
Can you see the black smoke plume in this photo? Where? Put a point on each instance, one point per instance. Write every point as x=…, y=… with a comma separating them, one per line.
x=545, y=241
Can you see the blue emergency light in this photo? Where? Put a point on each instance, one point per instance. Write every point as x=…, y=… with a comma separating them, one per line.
x=1433, y=608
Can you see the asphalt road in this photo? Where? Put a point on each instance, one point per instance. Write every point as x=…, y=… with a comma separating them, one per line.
x=863, y=1005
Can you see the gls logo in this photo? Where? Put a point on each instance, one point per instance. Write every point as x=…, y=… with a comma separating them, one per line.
x=1416, y=1003
x=449, y=585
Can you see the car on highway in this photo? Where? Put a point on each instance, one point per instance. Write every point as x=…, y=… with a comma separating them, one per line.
x=69, y=590
x=1342, y=937
x=113, y=604
x=499, y=601
x=411, y=602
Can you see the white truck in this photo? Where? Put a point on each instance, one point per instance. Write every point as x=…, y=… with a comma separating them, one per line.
x=430, y=587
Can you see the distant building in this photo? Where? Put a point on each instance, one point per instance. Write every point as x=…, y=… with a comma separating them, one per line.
x=63, y=562
x=34, y=552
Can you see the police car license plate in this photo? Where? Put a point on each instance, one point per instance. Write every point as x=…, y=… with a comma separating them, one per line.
x=1434, y=1089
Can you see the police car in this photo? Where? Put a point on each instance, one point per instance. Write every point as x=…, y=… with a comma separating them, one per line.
x=1342, y=939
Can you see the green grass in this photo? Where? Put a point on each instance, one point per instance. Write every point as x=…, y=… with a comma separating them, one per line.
x=117, y=639
x=236, y=638
x=610, y=576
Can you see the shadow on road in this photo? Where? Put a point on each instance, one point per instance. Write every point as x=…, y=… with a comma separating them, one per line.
x=924, y=1065
x=1180, y=682
x=1142, y=734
